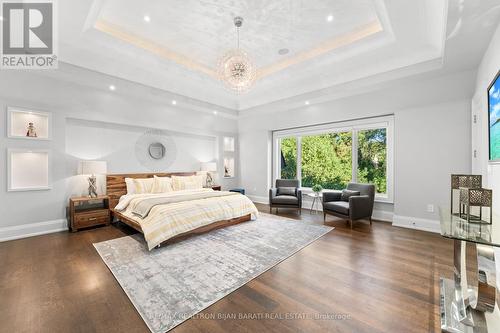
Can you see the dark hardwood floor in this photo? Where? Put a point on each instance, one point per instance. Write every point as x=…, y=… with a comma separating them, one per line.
x=378, y=279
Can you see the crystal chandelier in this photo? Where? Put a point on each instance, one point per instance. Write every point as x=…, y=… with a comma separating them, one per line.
x=235, y=69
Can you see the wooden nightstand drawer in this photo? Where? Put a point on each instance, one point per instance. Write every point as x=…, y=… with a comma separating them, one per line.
x=88, y=212
x=83, y=220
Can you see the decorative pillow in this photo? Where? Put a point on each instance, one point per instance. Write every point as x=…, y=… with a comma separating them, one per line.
x=130, y=185
x=187, y=182
x=346, y=194
x=204, y=175
x=162, y=185
x=143, y=185
x=286, y=191
x=191, y=185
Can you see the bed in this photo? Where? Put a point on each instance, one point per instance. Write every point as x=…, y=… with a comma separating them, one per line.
x=173, y=216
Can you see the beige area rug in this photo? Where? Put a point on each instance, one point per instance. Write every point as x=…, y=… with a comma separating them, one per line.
x=173, y=283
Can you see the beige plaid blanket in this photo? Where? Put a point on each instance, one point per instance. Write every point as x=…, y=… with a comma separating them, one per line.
x=184, y=211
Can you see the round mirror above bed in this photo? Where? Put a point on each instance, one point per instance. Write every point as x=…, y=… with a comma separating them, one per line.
x=157, y=150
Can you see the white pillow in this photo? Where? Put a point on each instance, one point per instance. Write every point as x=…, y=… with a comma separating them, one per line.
x=130, y=185
x=162, y=185
x=192, y=185
x=143, y=185
x=187, y=182
x=204, y=175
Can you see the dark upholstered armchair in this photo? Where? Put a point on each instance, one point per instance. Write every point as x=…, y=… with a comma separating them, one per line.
x=353, y=203
x=286, y=194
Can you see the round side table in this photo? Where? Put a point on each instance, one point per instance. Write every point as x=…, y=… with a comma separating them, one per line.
x=317, y=199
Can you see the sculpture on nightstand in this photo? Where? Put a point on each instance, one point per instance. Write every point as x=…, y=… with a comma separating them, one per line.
x=31, y=133
x=91, y=169
x=92, y=186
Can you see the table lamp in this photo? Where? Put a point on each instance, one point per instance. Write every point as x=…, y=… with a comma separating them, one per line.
x=92, y=168
x=209, y=167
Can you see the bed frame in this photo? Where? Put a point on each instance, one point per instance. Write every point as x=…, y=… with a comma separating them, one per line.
x=116, y=187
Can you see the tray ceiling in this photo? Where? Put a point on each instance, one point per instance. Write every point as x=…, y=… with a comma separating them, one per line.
x=194, y=33
x=175, y=45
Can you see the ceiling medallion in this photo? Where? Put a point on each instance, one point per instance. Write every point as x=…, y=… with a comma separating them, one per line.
x=235, y=69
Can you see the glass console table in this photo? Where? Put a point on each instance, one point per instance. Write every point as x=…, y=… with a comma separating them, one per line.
x=466, y=308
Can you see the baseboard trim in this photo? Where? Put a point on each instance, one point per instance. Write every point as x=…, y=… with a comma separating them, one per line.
x=32, y=229
x=379, y=215
x=382, y=215
x=416, y=223
x=258, y=199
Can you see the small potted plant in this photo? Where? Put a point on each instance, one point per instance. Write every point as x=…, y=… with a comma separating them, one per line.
x=317, y=189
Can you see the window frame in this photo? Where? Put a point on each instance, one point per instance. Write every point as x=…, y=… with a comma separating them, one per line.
x=353, y=126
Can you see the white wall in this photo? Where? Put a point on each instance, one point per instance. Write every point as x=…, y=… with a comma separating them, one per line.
x=432, y=139
x=116, y=144
x=431, y=142
x=431, y=124
x=197, y=134
x=489, y=67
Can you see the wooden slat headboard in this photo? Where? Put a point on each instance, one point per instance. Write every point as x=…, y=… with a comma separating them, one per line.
x=116, y=187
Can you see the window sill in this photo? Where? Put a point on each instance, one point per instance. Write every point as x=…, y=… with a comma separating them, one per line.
x=384, y=200
x=307, y=190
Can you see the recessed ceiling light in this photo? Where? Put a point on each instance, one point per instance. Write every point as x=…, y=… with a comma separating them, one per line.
x=306, y=103
x=283, y=51
x=112, y=88
x=147, y=18
x=329, y=18
x=174, y=102
x=215, y=113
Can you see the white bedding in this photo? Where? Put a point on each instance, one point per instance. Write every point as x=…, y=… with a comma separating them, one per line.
x=169, y=220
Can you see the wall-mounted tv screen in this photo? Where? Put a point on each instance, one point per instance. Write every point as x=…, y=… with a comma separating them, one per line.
x=494, y=118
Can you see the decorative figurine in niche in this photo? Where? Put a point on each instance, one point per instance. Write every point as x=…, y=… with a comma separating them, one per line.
x=31, y=131
x=93, y=186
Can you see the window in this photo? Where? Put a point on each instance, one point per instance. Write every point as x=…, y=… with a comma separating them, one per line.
x=333, y=155
x=288, y=158
x=372, y=158
x=327, y=160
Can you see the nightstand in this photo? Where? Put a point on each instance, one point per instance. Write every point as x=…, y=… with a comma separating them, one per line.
x=216, y=188
x=89, y=212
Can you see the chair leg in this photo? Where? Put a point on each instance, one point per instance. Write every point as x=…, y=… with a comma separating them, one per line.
x=324, y=217
x=351, y=223
x=370, y=220
x=270, y=209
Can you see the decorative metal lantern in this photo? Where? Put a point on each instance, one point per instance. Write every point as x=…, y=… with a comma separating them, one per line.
x=475, y=197
x=463, y=181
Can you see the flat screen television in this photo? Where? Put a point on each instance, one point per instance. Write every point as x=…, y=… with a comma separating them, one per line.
x=494, y=119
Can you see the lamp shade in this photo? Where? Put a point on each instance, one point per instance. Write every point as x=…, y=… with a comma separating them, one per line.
x=209, y=166
x=92, y=167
